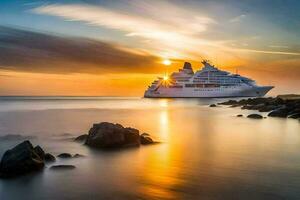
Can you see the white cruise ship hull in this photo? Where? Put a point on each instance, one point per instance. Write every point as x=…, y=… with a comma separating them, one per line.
x=218, y=92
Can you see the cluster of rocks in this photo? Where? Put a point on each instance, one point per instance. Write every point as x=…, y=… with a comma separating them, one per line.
x=277, y=107
x=24, y=158
x=106, y=135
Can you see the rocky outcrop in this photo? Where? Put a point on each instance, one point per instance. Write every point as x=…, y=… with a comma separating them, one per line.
x=108, y=135
x=81, y=138
x=212, y=105
x=255, y=116
x=277, y=107
x=62, y=167
x=239, y=115
x=21, y=159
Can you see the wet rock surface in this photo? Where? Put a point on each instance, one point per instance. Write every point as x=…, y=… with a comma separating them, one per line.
x=40, y=152
x=49, y=158
x=62, y=167
x=81, y=138
x=78, y=156
x=146, y=139
x=280, y=106
x=21, y=159
x=255, y=116
x=64, y=155
x=108, y=135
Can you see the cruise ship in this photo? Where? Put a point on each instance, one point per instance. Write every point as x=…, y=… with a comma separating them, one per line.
x=208, y=82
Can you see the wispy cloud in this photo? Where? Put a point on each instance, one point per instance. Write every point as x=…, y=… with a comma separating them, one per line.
x=279, y=46
x=268, y=52
x=174, y=32
x=237, y=19
x=174, y=29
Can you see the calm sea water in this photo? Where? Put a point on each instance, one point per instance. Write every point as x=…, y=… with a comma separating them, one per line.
x=206, y=153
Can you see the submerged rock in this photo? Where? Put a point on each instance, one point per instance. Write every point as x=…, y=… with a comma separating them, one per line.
x=146, y=139
x=81, y=138
x=62, y=167
x=64, y=155
x=109, y=135
x=240, y=115
x=255, y=116
x=21, y=159
x=49, y=158
x=78, y=155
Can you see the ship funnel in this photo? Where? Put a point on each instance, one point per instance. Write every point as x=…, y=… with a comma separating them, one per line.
x=187, y=65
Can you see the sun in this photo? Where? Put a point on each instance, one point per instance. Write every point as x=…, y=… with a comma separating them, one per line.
x=167, y=62
x=166, y=78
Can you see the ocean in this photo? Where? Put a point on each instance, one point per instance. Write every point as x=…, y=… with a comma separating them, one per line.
x=204, y=152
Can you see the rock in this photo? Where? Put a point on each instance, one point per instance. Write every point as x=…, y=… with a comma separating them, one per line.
x=40, y=152
x=255, y=116
x=240, y=115
x=20, y=160
x=268, y=108
x=64, y=155
x=49, y=158
x=248, y=107
x=81, y=138
x=212, y=105
x=146, y=139
x=62, y=167
x=230, y=102
x=281, y=112
x=78, y=155
x=109, y=135
x=295, y=116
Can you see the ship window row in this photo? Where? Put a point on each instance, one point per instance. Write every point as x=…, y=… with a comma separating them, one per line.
x=201, y=85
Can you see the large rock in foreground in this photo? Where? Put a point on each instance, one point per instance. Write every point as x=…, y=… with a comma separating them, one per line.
x=21, y=159
x=109, y=135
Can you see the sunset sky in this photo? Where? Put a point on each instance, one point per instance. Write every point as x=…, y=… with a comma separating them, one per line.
x=102, y=47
